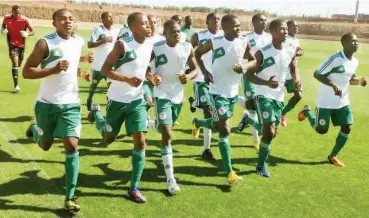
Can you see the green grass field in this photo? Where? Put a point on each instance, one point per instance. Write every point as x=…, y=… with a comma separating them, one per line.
x=302, y=184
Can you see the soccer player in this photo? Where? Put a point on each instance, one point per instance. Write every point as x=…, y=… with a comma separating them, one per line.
x=15, y=26
x=170, y=57
x=274, y=62
x=187, y=28
x=57, y=109
x=257, y=39
x=228, y=52
x=201, y=83
x=335, y=74
x=130, y=58
x=294, y=44
x=178, y=18
x=102, y=39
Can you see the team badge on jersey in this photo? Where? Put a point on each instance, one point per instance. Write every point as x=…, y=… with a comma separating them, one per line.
x=161, y=60
x=202, y=41
x=265, y=114
x=252, y=42
x=219, y=52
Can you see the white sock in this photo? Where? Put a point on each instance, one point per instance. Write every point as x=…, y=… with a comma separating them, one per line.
x=255, y=133
x=151, y=124
x=168, y=163
x=207, y=138
x=193, y=104
x=241, y=101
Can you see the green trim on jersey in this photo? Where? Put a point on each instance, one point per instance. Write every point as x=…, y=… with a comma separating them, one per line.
x=202, y=41
x=50, y=36
x=268, y=62
x=128, y=57
x=338, y=69
x=218, y=53
x=252, y=42
x=330, y=60
x=162, y=42
x=54, y=54
x=161, y=60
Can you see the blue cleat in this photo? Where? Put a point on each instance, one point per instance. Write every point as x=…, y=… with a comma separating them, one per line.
x=262, y=171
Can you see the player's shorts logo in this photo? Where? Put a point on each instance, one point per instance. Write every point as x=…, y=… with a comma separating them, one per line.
x=94, y=81
x=163, y=115
x=265, y=114
x=78, y=130
x=322, y=122
x=108, y=128
x=222, y=110
x=203, y=98
x=40, y=131
x=248, y=94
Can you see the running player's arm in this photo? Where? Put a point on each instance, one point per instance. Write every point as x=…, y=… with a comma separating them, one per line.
x=362, y=81
x=93, y=42
x=4, y=27
x=294, y=71
x=299, y=51
x=194, y=40
x=191, y=72
x=250, y=73
x=199, y=52
x=153, y=79
x=40, y=52
x=29, y=27
x=250, y=57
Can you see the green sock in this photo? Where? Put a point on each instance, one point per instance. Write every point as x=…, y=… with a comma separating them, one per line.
x=100, y=121
x=207, y=123
x=311, y=118
x=35, y=135
x=71, y=171
x=340, y=143
x=255, y=123
x=263, y=153
x=288, y=108
x=225, y=151
x=138, y=163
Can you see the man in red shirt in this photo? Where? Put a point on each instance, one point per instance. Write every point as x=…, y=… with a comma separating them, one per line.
x=15, y=26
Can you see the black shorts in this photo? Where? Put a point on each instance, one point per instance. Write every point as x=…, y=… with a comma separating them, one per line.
x=15, y=51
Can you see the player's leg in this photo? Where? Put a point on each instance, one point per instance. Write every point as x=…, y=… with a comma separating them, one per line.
x=14, y=58
x=294, y=100
x=96, y=78
x=341, y=117
x=135, y=115
x=320, y=122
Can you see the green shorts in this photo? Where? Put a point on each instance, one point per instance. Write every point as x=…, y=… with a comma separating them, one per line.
x=97, y=76
x=290, y=86
x=148, y=90
x=58, y=120
x=166, y=112
x=134, y=115
x=222, y=108
x=201, y=93
x=248, y=88
x=269, y=110
x=340, y=117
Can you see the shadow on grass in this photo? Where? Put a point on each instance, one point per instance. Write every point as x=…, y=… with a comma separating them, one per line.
x=16, y=119
x=7, y=158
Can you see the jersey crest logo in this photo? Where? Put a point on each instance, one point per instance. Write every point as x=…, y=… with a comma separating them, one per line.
x=268, y=62
x=252, y=42
x=202, y=41
x=218, y=53
x=161, y=60
x=128, y=57
x=102, y=36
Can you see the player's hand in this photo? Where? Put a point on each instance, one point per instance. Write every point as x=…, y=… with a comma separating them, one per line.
x=4, y=32
x=87, y=75
x=156, y=80
x=61, y=66
x=299, y=52
x=363, y=81
x=24, y=34
x=183, y=78
x=298, y=85
x=337, y=90
x=149, y=101
x=90, y=57
x=134, y=81
x=208, y=77
x=238, y=68
x=109, y=39
x=271, y=83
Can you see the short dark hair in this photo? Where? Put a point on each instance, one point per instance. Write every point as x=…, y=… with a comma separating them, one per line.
x=227, y=18
x=176, y=17
x=168, y=24
x=133, y=17
x=290, y=22
x=104, y=14
x=346, y=37
x=188, y=17
x=275, y=24
x=57, y=13
x=151, y=16
x=15, y=7
x=256, y=17
x=209, y=16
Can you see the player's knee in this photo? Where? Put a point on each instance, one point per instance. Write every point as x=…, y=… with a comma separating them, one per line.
x=321, y=130
x=250, y=105
x=225, y=130
x=207, y=112
x=268, y=134
x=45, y=145
x=109, y=139
x=346, y=129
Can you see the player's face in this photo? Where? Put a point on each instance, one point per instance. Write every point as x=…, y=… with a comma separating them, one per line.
x=188, y=21
x=65, y=23
x=179, y=20
x=142, y=27
x=173, y=34
x=214, y=22
x=293, y=29
x=108, y=20
x=261, y=23
x=16, y=13
x=153, y=23
x=280, y=33
x=352, y=44
x=233, y=28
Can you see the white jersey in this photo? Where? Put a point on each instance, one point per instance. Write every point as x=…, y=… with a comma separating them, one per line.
x=170, y=62
x=61, y=88
x=258, y=41
x=292, y=44
x=102, y=51
x=133, y=64
x=275, y=63
x=204, y=36
x=154, y=39
x=340, y=70
x=225, y=55
x=124, y=32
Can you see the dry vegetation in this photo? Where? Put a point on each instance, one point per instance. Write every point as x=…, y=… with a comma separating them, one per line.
x=91, y=13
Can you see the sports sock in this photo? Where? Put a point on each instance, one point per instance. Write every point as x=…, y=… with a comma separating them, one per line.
x=71, y=171
x=255, y=132
x=340, y=143
x=138, y=164
x=263, y=153
x=207, y=138
x=225, y=151
x=310, y=117
x=241, y=101
x=100, y=121
x=35, y=135
x=167, y=157
x=288, y=107
x=15, y=76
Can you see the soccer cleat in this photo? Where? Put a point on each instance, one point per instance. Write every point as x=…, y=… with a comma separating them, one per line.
x=71, y=205
x=29, y=133
x=136, y=196
x=195, y=129
x=173, y=187
x=234, y=179
x=191, y=100
x=257, y=144
x=302, y=114
x=94, y=108
x=243, y=123
x=262, y=171
x=207, y=155
x=334, y=160
x=89, y=104
x=16, y=89
x=284, y=120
